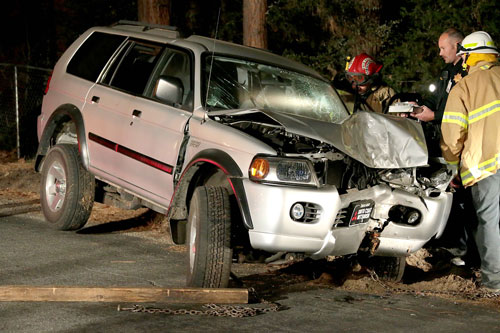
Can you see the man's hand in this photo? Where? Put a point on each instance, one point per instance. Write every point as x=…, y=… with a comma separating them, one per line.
x=423, y=113
x=456, y=182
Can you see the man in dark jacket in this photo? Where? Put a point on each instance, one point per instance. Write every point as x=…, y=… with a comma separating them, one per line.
x=456, y=236
x=433, y=108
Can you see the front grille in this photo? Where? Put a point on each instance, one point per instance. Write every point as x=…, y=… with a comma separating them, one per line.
x=341, y=217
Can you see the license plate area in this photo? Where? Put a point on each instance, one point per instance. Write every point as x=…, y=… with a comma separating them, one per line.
x=359, y=212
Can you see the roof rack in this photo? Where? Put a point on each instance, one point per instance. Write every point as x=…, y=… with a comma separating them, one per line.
x=146, y=26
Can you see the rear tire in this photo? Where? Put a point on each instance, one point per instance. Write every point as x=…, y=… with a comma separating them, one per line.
x=209, y=238
x=389, y=268
x=67, y=189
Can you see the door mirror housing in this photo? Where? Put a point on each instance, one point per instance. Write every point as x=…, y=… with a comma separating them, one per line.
x=169, y=90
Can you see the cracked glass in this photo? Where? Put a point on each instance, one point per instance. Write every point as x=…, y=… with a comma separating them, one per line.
x=231, y=83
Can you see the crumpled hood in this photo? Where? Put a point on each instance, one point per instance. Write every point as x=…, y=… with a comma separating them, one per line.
x=376, y=140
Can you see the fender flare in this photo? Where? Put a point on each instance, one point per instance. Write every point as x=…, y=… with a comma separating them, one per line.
x=222, y=161
x=62, y=113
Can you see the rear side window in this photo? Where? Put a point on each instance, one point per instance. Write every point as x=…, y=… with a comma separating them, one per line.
x=93, y=55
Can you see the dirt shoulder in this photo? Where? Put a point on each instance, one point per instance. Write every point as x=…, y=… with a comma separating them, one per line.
x=428, y=271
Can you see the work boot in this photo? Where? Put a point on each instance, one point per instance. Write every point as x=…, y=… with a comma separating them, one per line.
x=458, y=261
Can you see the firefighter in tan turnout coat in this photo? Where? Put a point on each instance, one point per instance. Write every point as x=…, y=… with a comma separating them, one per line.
x=471, y=140
x=363, y=72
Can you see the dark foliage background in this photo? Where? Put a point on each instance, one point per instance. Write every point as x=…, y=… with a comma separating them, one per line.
x=321, y=33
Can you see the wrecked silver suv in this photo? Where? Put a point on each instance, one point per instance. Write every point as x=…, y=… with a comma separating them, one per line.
x=239, y=148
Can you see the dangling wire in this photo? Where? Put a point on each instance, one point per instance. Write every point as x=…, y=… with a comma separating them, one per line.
x=212, y=60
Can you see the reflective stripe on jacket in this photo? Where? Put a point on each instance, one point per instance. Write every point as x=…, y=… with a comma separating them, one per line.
x=470, y=127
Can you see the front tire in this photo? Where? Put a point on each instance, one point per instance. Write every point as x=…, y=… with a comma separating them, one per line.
x=209, y=238
x=67, y=189
x=389, y=268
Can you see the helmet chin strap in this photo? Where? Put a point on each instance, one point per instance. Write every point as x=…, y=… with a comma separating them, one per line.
x=464, y=64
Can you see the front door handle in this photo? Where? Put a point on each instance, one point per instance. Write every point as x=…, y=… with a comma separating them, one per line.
x=136, y=113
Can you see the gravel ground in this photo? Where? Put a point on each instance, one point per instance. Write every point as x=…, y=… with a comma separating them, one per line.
x=428, y=271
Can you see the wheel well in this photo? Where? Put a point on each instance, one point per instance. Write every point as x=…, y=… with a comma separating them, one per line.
x=65, y=126
x=199, y=174
x=65, y=132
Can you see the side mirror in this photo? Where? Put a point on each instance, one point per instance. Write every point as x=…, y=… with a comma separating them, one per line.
x=169, y=89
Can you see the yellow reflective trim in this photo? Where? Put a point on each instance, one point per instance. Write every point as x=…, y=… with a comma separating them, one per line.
x=484, y=111
x=466, y=178
x=490, y=43
x=456, y=115
x=485, y=167
x=453, y=162
x=467, y=181
x=487, y=162
x=469, y=45
x=455, y=118
x=454, y=121
x=486, y=114
x=469, y=178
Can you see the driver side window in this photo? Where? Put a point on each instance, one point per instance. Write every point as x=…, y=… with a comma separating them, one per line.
x=174, y=66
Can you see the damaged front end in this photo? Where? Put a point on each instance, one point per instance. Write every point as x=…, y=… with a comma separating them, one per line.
x=387, y=199
x=410, y=206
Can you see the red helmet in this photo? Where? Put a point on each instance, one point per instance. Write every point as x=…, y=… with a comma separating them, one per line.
x=362, y=68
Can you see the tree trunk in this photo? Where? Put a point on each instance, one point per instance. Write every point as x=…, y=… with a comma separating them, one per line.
x=254, y=23
x=154, y=11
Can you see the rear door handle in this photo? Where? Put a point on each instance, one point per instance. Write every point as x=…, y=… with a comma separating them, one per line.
x=136, y=113
x=95, y=99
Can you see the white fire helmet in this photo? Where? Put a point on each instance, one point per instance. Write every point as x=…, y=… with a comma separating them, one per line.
x=477, y=42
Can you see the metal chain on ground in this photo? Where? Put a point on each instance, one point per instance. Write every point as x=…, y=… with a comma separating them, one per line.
x=215, y=310
x=241, y=311
x=235, y=311
x=472, y=295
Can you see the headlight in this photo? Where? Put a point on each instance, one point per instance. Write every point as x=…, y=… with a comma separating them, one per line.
x=282, y=170
x=294, y=171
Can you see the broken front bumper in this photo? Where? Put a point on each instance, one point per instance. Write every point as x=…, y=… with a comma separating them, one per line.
x=274, y=230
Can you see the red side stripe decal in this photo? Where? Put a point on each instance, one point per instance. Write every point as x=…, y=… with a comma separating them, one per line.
x=131, y=153
x=102, y=141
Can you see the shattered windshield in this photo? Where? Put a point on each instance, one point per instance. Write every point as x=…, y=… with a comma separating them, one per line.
x=242, y=84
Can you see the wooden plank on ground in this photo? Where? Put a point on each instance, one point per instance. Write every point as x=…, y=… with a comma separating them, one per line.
x=121, y=294
x=19, y=207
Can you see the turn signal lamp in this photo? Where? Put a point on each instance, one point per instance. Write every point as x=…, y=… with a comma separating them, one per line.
x=259, y=168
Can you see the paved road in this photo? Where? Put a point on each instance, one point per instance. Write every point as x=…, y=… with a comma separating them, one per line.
x=32, y=253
